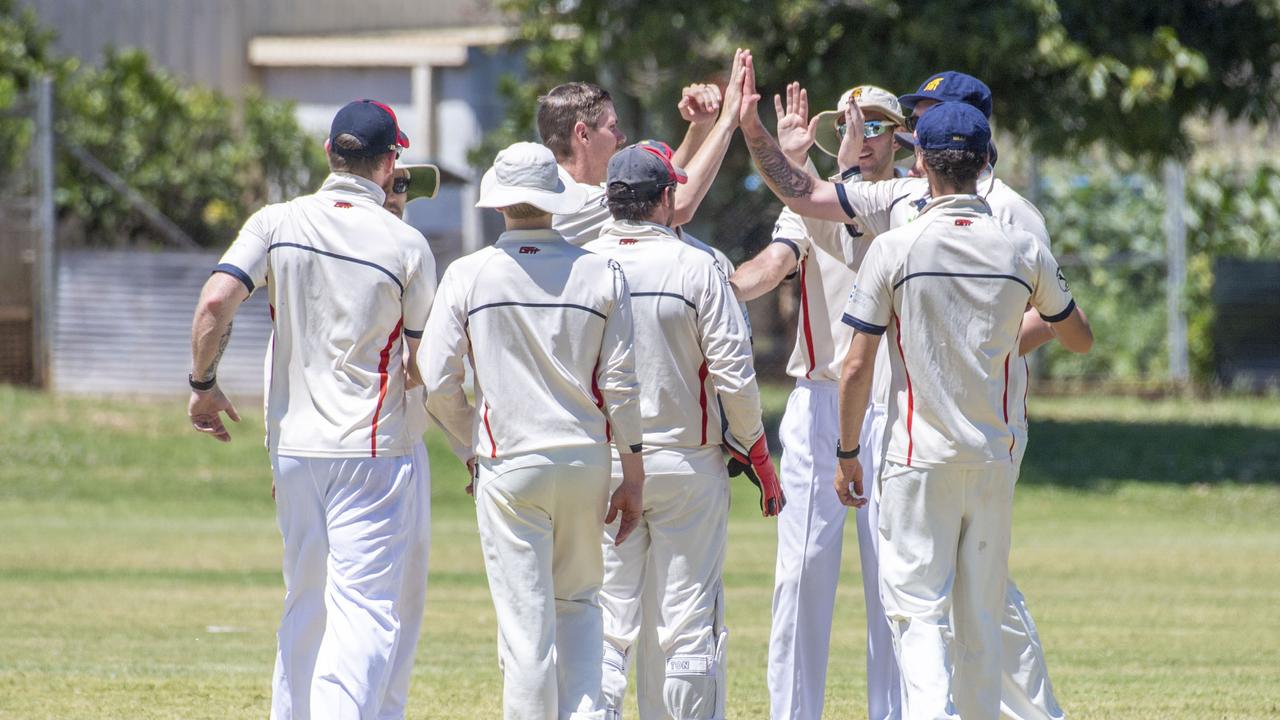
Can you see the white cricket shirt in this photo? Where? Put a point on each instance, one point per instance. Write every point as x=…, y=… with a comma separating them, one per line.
x=951, y=288
x=581, y=227
x=345, y=279
x=548, y=329
x=898, y=202
x=828, y=256
x=692, y=343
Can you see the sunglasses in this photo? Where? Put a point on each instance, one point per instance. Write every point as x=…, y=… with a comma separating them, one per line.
x=870, y=128
x=912, y=121
x=400, y=185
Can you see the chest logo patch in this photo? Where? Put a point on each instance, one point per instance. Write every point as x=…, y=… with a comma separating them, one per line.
x=342, y=204
x=530, y=250
x=627, y=241
x=962, y=222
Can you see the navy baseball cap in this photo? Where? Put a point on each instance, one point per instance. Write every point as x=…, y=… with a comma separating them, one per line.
x=951, y=86
x=953, y=126
x=640, y=171
x=373, y=124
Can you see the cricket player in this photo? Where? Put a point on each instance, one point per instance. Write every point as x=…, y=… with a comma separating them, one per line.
x=548, y=329
x=413, y=588
x=954, y=285
x=826, y=255
x=1027, y=692
x=350, y=288
x=578, y=122
x=692, y=348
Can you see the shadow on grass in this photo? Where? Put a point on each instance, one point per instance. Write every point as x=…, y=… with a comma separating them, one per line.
x=1096, y=454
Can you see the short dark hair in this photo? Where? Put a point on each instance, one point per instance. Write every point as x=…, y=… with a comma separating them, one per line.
x=362, y=165
x=957, y=167
x=565, y=106
x=523, y=211
x=624, y=205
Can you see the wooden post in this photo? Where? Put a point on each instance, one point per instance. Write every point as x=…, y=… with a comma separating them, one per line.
x=1175, y=232
x=45, y=283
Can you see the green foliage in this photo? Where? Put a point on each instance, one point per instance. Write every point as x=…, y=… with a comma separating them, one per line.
x=26, y=55
x=205, y=161
x=1065, y=73
x=183, y=148
x=1105, y=220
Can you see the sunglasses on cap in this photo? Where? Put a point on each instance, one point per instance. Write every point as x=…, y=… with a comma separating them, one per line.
x=870, y=128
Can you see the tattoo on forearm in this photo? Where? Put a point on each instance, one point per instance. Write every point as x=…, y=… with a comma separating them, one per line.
x=778, y=170
x=217, y=357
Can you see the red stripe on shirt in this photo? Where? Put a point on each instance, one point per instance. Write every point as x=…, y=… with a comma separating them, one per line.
x=384, y=362
x=911, y=398
x=702, y=398
x=1005, y=402
x=595, y=393
x=493, y=446
x=804, y=318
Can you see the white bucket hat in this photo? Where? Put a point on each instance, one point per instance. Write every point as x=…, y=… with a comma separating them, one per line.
x=868, y=97
x=528, y=173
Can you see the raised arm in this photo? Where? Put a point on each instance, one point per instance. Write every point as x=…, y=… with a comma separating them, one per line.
x=700, y=107
x=797, y=189
x=705, y=164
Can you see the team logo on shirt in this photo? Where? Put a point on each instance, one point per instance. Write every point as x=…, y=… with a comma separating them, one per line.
x=963, y=222
x=627, y=241
x=529, y=250
x=342, y=204
x=1062, y=281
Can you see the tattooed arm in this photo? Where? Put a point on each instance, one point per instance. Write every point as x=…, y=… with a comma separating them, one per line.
x=797, y=189
x=210, y=333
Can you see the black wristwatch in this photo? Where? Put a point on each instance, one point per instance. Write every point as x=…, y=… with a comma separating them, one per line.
x=201, y=385
x=847, y=454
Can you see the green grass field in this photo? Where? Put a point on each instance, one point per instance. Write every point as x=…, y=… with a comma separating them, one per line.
x=139, y=567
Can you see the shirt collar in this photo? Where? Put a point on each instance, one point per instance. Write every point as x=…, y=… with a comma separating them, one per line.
x=528, y=236
x=349, y=184
x=639, y=229
x=972, y=203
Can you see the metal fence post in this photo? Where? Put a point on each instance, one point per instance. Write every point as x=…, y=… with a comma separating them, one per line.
x=45, y=288
x=1175, y=232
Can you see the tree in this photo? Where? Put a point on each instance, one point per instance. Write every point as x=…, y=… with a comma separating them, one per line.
x=1065, y=73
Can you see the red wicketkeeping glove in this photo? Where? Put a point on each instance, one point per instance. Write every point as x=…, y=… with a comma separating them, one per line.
x=758, y=467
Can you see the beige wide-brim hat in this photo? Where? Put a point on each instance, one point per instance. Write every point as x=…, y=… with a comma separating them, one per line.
x=528, y=173
x=868, y=97
x=424, y=178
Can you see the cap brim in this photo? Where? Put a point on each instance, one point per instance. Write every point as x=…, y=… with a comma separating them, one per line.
x=826, y=137
x=908, y=143
x=426, y=174
x=909, y=101
x=828, y=140
x=568, y=197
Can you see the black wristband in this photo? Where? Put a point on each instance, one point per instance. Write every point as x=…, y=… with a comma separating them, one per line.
x=201, y=385
x=845, y=175
x=847, y=454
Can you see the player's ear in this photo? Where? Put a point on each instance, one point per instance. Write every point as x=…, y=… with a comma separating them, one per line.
x=580, y=131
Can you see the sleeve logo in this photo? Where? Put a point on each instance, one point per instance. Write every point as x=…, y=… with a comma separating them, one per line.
x=1062, y=281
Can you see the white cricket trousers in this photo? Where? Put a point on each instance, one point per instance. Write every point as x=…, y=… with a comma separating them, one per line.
x=413, y=589
x=884, y=682
x=668, y=574
x=944, y=557
x=810, y=538
x=541, y=517
x=1025, y=690
x=347, y=525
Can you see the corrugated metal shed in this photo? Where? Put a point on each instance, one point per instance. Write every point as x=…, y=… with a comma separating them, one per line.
x=206, y=41
x=123, y=325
